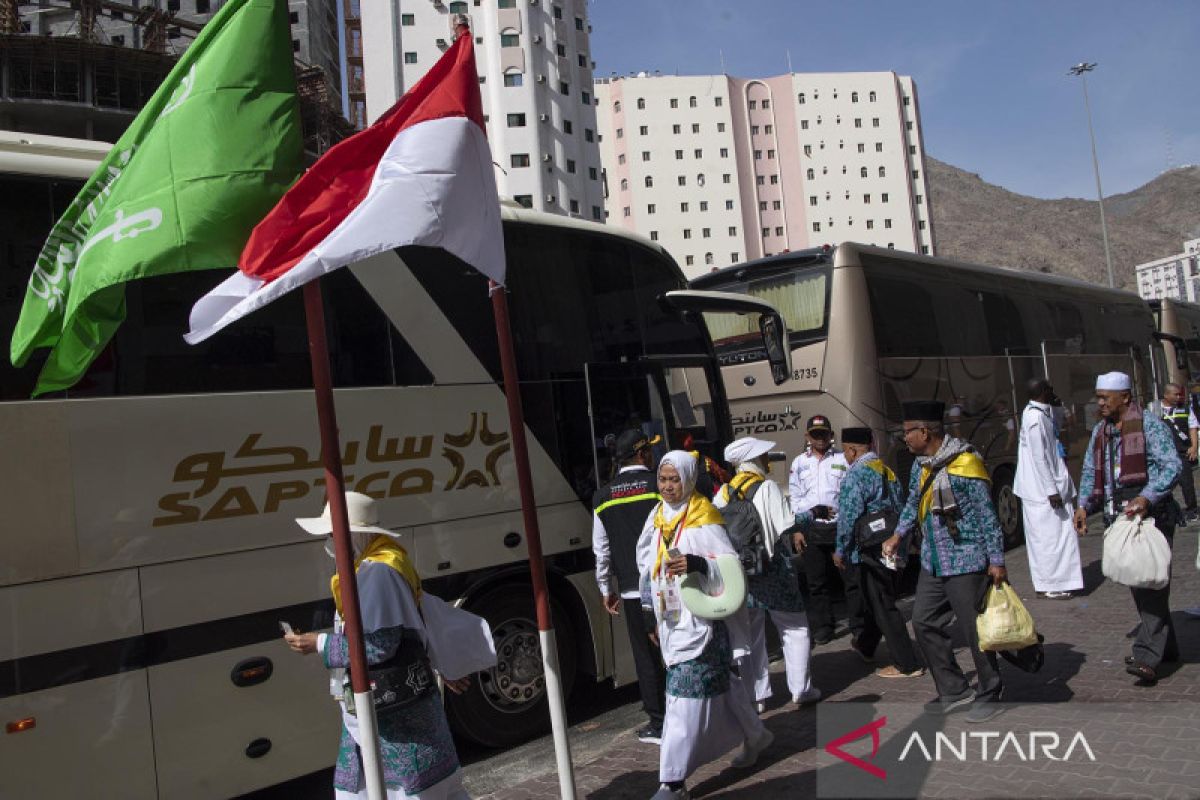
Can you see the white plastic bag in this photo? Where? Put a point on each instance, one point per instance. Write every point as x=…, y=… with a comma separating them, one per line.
x=1136, y=554
x=459, y=643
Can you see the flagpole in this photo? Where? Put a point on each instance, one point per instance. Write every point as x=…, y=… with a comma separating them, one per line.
x=335, y=490
x=533, y=536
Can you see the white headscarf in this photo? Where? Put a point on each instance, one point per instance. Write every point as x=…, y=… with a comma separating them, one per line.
x=685, y=464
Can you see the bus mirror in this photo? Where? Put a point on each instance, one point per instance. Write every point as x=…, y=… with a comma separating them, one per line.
x=1181, y=357
x=774, y=334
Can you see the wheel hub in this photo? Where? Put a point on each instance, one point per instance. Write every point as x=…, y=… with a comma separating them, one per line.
x=517, y=678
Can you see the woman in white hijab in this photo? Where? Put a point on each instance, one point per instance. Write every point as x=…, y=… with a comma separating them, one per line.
x=708, y=712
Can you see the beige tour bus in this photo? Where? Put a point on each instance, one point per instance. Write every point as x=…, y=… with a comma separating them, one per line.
x=872, y=327
x=1179, y=329
x=149, y=543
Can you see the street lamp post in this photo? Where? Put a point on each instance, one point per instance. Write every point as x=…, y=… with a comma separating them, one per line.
x=1079, y=69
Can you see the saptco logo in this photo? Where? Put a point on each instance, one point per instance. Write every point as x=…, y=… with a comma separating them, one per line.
x=976, y=746
x=382, y=466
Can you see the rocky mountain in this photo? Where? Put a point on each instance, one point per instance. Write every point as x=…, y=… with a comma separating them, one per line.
x=974, y=220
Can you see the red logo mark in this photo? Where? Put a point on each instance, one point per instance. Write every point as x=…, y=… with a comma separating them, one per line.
x=834, y=748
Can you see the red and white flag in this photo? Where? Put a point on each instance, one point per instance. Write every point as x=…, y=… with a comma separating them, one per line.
x=421, y=175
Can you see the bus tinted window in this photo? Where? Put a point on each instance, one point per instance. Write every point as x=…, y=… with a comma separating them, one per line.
x=801, y=295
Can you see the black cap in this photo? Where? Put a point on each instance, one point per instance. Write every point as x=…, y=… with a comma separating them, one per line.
x=630, y=442
x=818, y=423
x=924, y=410
x=856, y=436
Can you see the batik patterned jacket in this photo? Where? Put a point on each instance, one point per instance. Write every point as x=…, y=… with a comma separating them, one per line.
x=1162, y=464
x=979, y=543
x=861, y=493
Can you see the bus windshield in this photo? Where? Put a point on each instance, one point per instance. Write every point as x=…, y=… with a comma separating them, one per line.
x=801, y=295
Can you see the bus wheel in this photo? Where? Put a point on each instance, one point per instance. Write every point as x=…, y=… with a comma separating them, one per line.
x=507, y=705
x=1008, y=508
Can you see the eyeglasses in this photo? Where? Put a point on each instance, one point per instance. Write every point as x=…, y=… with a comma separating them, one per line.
x=907, y=431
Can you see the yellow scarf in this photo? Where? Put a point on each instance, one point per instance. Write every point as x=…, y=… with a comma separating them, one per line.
x=966, y=465
x=383, y=550
x=883, y=469
x=741, y=482
x=699, y=511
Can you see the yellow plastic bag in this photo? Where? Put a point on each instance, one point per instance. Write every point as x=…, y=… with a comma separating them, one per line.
x=1004, y=624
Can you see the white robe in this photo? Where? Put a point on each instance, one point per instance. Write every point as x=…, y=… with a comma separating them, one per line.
x=696, y=731
x=1050, y=539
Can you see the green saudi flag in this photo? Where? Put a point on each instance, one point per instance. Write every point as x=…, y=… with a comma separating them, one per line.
x=205, y=160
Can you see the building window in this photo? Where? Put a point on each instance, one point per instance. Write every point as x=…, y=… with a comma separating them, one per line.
x=588, y=134
x=597, y=213
x=586, y=97
x=867, y=199
x=691, y=102
x=564, y=88
x=912, y=149
x=720, y=127
x=567, y=126
x=766, y=232
x=774, y=180
x=758, y=155
x=679, y=155
x=579, y=23
x=617, y=107
x=754, y=130
x=514, y=79
x=582, y=60
x=800, y=98
x=871, y=97
x=708, y=258
x=654, y=236
x=883, y=198
x=687, y=233
x=762, y=205
x=770, y=154
x=753, y=104
x=682, y=180
x=768, y=129
x=674, y=102
x=875, y=122
x=570, y=166
x=870, y=224
x=779, y=231
x=592, y=174
x=621, y=158
x=766, y=104
x=718, y=101
x=641, y=103
x=882, y=172
x=908, y=126
x=862, y=148
x=650, y=208
x=812, y=199
x=724, y=152
x=729, y=205
x=808, y=150
x=803, y=124
x=574, y=206
x=516, y=120
x=857, y=122
x=775, y=205
x=879, y=147
x=506, y=4
x=625, y=211
x=924, y=249
x=524, y=200
x=690, y=260
x=410, y=58
x=854, y=97
x=810, y=174
x=645, y=155
x=733, y=230
x=510, y=40
x=560, y=51
x=649, y=182
x=887, y=223
x=862, y=173
x=906, y=101
x=733, y=257
x=704, y=205
x=683, y=207
x=643, y=130
x=676, y=129
x=520, y=159
x=620, y=133
x=458, y=8
x=706, y=233
x=918, y=199
x=920, y=224
x=916, y=174
x=695, y=127
x=726, y=178
x=557, y=12
x=698, y=153
x=816, y=227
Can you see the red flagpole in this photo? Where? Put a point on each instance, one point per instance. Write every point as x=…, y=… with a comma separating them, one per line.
x=533, y=537
x=335, y=490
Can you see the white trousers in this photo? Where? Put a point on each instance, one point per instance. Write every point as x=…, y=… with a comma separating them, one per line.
x=797, y=651
x=449, y=788
x=697, y=731
x=1052, y=547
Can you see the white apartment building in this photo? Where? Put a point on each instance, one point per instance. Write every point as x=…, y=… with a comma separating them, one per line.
x=721, y=169
x=535, y=73
x=1173, y=277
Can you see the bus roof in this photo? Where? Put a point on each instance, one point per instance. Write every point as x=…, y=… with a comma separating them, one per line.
x=828, y=254
x=511, y=210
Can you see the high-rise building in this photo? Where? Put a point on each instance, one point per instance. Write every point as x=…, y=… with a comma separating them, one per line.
x=1173, y=277
x=313, y=26
x=720, y=169
x=535, y=76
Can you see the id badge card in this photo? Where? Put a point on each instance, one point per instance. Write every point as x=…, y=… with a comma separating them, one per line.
x=1110, y=508
x=670, y=601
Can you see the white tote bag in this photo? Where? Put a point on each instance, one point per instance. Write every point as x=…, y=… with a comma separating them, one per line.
x=1136, y=554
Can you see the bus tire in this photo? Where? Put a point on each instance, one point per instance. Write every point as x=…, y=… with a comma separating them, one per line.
x=1008, y=508
x=507, y=705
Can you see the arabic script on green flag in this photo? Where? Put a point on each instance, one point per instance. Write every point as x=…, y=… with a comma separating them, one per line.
x=204, y=161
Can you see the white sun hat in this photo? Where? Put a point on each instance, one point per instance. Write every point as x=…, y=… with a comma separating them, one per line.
x=746, y=449
x=364, y=518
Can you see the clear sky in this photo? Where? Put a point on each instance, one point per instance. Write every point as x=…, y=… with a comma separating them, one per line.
x=991, y=75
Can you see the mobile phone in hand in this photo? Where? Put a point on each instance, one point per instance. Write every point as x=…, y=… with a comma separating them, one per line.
x=286, y=628
x=673, y=553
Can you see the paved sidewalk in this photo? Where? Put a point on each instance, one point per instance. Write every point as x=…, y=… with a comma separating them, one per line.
x=1085, y=647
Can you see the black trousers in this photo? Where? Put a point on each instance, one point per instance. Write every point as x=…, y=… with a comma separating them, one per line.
x=1155, y=641
x=652, y=676
x=1187, y=482
x=819, y=571
x=942, y=602
x=877, y=586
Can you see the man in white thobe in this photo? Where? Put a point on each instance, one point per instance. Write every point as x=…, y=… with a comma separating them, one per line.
x=1047, y=494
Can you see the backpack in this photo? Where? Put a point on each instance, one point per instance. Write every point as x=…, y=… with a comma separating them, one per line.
x=744, y=527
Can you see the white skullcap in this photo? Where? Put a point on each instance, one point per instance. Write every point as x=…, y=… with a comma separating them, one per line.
x=746, y=449
x=1113, y=382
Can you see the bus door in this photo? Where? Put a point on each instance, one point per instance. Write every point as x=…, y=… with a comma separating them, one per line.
x=672, y=397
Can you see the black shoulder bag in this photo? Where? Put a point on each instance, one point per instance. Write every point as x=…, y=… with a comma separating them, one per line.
x=874, y=528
